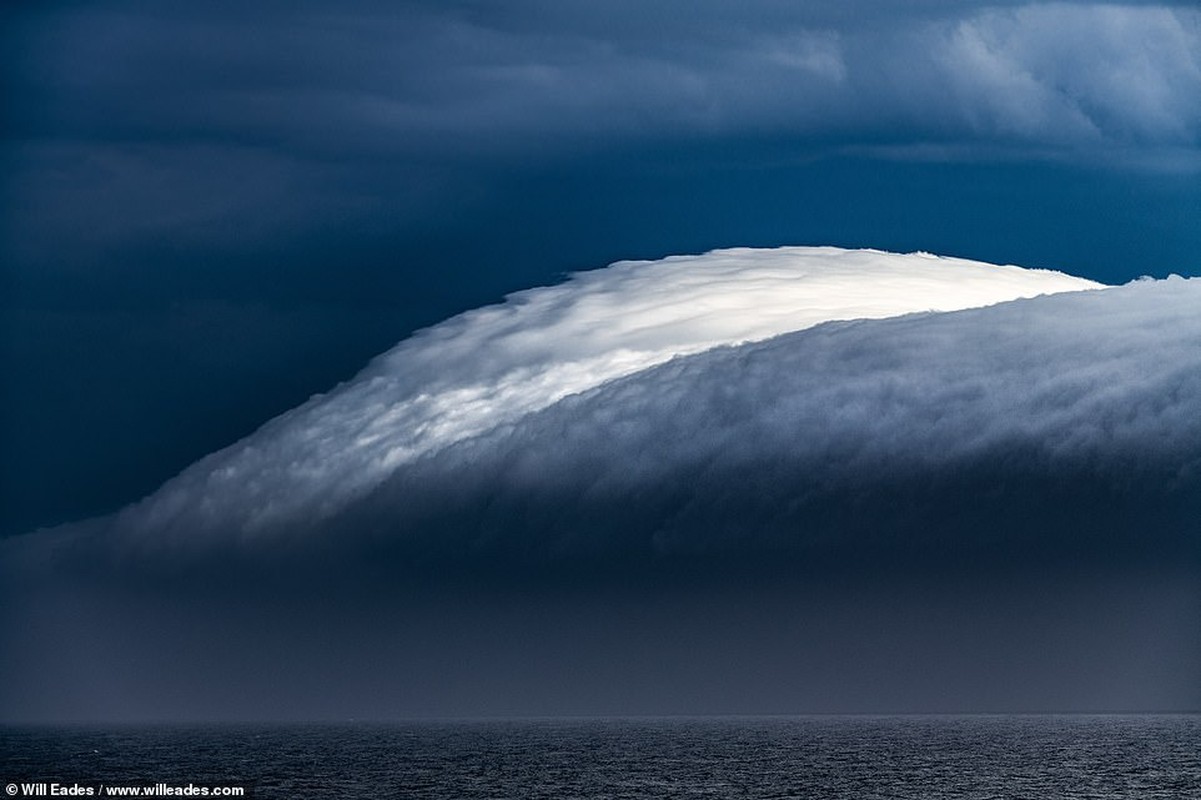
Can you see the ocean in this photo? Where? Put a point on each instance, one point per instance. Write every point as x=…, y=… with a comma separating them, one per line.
x=813, y=757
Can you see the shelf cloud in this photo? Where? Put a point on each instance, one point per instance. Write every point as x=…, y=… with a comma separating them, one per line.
x=752, y=480
x=791, y=479
x=491, y=368
x=737, y=404
x=1064, y=423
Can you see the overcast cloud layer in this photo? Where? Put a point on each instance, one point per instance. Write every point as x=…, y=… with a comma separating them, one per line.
x=416, y=76
x=131, y=101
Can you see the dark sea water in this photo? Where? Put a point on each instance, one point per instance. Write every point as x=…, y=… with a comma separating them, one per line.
x=778, y=757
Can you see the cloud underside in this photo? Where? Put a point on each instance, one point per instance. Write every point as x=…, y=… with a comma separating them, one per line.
x=1065, y=423
x=1051, y=74
x=130, y=127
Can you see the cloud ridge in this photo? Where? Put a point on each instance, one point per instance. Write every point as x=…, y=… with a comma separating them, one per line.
x=1070, y=421
x=489, y=367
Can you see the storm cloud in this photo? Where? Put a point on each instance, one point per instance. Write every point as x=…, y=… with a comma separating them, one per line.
x=1060, y=423
x=328, y=180
x=377, y=79
x=986, y=509
x=663, y=410
x=276, y=115
x=214, y=211
x=492, y=366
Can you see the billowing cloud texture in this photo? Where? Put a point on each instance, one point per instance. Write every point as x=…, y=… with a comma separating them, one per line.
x=1060, y=422
x=535, y=508
x=336, y=177
x=488, y=369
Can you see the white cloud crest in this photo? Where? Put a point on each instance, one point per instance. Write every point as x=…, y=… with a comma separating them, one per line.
x=1064, y=421
x=490, y=367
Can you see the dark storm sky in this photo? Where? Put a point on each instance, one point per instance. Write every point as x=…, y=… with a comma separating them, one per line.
x=213, y=210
